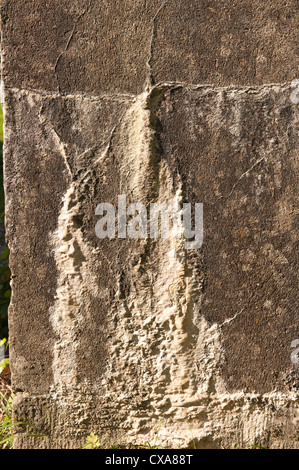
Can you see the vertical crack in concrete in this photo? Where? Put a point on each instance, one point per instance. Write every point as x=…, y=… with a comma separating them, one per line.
x=150, y=80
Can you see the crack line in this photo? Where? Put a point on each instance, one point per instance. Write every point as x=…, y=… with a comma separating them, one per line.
x=244, y=174
x=230, y=320
x=168, y=85
x=149, y=80
x=87, y=9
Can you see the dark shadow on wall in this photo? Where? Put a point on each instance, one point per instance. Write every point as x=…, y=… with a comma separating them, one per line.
x=5, y=291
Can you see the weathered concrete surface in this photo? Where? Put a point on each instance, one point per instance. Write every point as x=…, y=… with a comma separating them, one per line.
x=98, y=46
x=121, y=336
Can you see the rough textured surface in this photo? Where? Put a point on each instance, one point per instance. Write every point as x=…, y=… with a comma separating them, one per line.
x=119, y=336
x=99, y=46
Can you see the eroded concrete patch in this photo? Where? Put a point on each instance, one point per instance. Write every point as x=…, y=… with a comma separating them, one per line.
x=145, y=330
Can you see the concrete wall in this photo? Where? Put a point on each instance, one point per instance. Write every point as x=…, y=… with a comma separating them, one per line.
x=175, y=101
